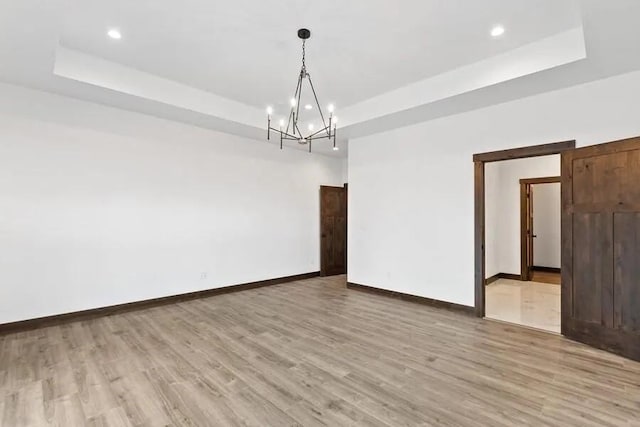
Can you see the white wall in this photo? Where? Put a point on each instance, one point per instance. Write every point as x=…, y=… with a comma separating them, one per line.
x=411, y=189
x=546, y=225
x=502, y=233
x=345, y=170
x=100, y=206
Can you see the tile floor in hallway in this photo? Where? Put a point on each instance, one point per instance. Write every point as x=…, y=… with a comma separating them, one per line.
x=532, y=304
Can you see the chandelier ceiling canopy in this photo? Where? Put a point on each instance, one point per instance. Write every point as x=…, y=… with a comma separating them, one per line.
x=290, y=130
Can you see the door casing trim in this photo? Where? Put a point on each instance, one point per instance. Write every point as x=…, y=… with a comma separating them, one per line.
x=525, y=185
x=479, y=204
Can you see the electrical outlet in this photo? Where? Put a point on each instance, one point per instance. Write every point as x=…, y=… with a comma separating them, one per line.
x=203, y=276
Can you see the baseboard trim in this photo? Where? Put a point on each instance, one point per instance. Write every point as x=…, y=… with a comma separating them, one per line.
x=509, y=276
x=414, y=298
x=58, y=319
x=491, y=279
x=547, y=269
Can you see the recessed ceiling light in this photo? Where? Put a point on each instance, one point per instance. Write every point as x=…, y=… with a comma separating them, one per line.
x=269, y=110
x=310, y=126
x=293, y=102
x=308, y=107
x=331, y=108
x=114, y=33
x=497, y=31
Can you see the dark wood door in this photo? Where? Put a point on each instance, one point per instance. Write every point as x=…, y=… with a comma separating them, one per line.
x=601, y=246
x=333, y=230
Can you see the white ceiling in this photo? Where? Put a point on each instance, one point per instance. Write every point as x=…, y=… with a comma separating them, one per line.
x=383, y=63
x=248, y=50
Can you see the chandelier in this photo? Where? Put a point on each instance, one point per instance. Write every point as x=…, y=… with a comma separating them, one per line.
x=290, y=130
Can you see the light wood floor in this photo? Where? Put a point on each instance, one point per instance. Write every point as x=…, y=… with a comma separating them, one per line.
x=308, y=353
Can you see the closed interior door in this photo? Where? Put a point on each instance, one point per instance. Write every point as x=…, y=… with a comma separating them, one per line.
x=333, y=230
x=601, y=246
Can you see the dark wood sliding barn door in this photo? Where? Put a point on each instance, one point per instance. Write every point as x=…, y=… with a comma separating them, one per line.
x=333, y=230
x=601, y=246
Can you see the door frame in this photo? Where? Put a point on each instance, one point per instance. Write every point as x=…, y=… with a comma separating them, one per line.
x=479, y=161
x=346, y=224
x=526, y=240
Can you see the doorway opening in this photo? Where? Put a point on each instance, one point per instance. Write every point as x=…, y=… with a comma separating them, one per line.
x=540, y=208
x=522, y=242
x=480, y=217
x=600, y=240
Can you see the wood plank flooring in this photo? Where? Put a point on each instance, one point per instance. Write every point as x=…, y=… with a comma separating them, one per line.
x=308, y=353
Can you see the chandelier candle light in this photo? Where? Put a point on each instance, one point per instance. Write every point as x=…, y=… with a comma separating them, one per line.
x=292, y=132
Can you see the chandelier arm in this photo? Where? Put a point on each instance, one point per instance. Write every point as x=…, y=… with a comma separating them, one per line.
x=292, y=113
x=319, y=131
x=289, y=121
x=335, y=130
x=298, y=129
x=317, y=102
x=284, y=133
x=287, y=135
x=299, y=93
